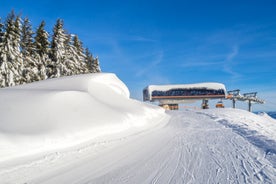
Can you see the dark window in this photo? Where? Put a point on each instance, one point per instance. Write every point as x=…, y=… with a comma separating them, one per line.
x=188, y=92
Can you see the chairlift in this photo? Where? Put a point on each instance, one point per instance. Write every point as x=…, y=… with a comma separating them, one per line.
x=220, y=104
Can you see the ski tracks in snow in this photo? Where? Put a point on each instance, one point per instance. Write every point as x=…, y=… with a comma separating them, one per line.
x=194, y=149
x=264, y=143
x=191, y=148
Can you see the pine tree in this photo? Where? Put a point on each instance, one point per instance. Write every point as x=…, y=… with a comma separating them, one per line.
x=30, y=72
x=96, y=65
x=1, y=31
x=41, y=43
x=25, y=58
x=78, y=45
x=27, y=43
x=68, y=61
x=58, y=50
x=79, y=56
x=18, y=59
x=92, y=63
x=10, y=56
x=2, y=73
x=41, y=55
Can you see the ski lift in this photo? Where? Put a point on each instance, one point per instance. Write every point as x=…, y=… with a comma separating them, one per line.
x=204, y=104
x=220, y=104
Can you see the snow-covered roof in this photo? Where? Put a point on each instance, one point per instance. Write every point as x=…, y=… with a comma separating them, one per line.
x=207, y=85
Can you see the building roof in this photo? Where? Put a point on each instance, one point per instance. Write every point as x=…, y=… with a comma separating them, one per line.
x=207, y=85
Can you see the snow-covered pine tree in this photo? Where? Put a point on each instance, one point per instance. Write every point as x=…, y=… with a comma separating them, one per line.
x=30, y=72
x=27, y=43
x=41, y=55
x=41, y=42
x=69, y=61
x=78, y=45
x=79, y=56
x=58, y=50
x=1, y=31
x=10, y=55
x=96, y=65
x=92, y=63
x=2, y=79
x=25, y=59
x=88, y=59
x=18, y=62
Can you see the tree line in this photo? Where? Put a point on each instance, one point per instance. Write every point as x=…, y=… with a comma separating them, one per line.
x=27, y=56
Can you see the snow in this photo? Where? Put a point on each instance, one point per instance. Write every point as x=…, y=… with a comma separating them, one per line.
x=262, y=123
x=208, y=85
x=86, y=129
x=66, y=111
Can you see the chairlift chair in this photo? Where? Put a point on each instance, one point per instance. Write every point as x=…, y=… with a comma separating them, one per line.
x=220, y=104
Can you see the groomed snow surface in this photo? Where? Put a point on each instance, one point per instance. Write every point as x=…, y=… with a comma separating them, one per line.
x=85, y=129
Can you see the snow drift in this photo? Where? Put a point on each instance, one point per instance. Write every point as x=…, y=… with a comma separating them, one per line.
x=261, y=124
x=66, y=111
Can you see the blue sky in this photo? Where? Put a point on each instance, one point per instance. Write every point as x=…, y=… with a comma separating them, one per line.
x=159, y=42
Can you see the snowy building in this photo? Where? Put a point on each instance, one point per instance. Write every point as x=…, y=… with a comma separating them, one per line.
x=169, y=96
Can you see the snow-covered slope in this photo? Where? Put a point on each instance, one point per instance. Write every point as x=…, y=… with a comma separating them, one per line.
x=262, y=124
x=66, y=111
x=86, y=129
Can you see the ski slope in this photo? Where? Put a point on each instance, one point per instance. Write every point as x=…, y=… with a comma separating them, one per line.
x=86, y=129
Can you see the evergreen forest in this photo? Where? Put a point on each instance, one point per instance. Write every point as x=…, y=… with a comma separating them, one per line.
x=27, y=55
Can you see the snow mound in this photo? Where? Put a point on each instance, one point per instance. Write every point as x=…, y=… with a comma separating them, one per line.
x=262, y=124
x=59, y=112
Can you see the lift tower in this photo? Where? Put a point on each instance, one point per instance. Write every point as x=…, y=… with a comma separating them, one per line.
x=235, y=95
x=252, y=98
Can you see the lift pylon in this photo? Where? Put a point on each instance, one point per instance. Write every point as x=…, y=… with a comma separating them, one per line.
x=251, y=97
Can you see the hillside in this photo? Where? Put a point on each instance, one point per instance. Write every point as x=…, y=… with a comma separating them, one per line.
x=86, y=129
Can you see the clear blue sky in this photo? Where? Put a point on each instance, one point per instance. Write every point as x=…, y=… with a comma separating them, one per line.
x=159, y=42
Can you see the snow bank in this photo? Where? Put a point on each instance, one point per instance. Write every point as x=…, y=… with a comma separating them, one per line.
x=261, y=124
x=62, y=112
x=258, y=129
